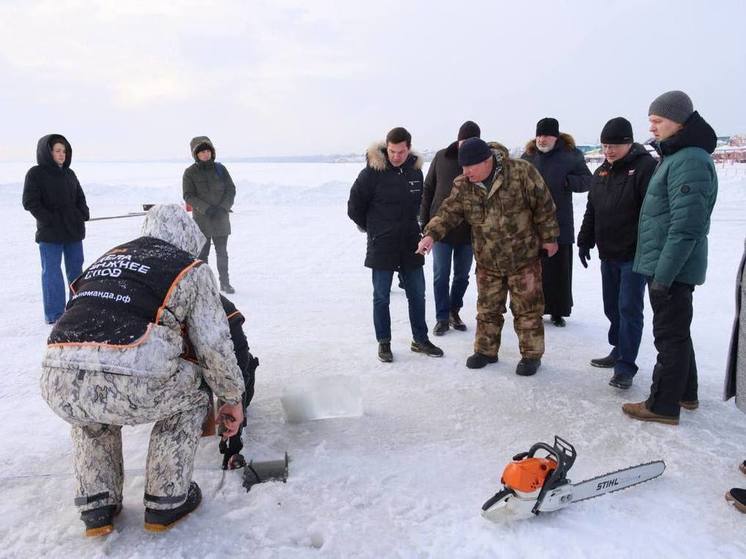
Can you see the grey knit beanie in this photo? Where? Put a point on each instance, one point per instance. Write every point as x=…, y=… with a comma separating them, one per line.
x=673, y=105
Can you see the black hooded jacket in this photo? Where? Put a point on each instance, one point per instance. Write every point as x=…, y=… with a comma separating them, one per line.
x=614, y=202
x=444, y=168
x=385, y=202
x=54, y=197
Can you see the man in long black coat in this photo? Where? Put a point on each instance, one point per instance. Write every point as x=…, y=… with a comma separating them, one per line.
x=384, y=202
x=563, y=168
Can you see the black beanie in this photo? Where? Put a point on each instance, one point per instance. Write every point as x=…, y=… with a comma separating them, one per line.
x=469, y=129
x=617, y=131
x=473, y=151
x=548, y=126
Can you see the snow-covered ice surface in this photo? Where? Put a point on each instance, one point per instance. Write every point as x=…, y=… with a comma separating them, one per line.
x=408, y=478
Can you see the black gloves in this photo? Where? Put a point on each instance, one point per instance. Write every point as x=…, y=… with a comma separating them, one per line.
x=213, y=211
x=585, y=255
x=658, y=289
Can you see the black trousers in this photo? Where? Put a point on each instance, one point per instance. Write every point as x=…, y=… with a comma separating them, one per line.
x=556, y=279
x=221, y=253
x=675, y=372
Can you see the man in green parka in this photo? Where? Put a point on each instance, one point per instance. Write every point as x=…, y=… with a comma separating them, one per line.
x=209, y=189
x=672, y=249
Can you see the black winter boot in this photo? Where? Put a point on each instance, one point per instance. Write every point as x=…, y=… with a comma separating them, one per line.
x=478, y=360
x=100, y=521
x=456, y=321
x=737, y=497
x=384, y=352
x=558, y=321
x=527, y=367
x=161, y=520
x=427, y=348
x=605, y=362
x=441, y=327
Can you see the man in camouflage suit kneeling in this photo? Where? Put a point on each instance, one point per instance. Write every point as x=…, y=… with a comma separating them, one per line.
x=512, y=218
x=115, y=358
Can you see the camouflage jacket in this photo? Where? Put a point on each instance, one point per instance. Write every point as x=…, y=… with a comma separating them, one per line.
x=509, y=223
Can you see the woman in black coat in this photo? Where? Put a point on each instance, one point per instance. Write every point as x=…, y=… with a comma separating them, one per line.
x=54, y=197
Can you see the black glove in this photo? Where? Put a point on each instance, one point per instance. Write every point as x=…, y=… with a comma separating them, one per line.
x=658, y=289
x=212, y=211
x=584, y=254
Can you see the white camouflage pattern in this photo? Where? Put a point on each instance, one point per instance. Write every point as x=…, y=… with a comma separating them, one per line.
x=99, y=389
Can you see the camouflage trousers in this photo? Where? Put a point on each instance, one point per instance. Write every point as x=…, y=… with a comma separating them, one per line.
x=97, y=405
x=526, y=304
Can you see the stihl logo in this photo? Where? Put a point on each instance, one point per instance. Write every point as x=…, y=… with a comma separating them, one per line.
x=607, y=484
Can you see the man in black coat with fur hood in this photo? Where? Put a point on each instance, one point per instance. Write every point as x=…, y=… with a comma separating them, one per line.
x=384, y=203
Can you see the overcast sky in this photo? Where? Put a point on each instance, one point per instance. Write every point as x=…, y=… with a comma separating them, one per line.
x=137, y=79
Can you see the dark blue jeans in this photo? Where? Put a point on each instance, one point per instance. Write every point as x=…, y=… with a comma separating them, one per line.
x=52, y=283
x=414, y=287
x=462, y=256
x=624, y=295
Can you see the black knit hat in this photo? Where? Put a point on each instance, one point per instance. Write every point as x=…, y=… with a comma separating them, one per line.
x=548, y=126
x=469, y=129
x=202, y=147
x=617, y=131
x=673, y=105
x=473, y=151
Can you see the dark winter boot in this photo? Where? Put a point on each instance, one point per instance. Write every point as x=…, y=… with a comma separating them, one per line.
x=384, y=352
x=162, y=520
x=527, y=367
x=605, y=362
x=478, y=360
x=427, y=348
x=226, y=287
x=621, y=381
x=689, y=405
x=558, y=321
x=441, y=327
x=100, y=521
x=737, y=497
x=456, y=321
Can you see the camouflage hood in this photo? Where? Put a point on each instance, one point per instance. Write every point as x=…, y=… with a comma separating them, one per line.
x=565, y=141
x=500, y=151
x=198, y=141
x=171, y=223
x=377, y=160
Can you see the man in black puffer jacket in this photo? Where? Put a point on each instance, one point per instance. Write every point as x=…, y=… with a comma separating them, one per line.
x=456, y=245
x=54, y=197
x=384, y=202
x=610, y=223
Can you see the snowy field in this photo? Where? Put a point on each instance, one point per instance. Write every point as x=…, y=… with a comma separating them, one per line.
x=408, y=478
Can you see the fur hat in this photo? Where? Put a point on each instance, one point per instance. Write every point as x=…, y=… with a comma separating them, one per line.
x=548, y=126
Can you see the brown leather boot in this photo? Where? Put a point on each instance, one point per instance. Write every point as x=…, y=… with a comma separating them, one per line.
x=641, y=412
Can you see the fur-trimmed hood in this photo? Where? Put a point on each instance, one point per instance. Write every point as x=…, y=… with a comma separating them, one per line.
x=198, y=141
x=565, y=141
x=378, y=161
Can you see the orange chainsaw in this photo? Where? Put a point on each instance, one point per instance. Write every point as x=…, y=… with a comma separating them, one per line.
x=535, y=484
